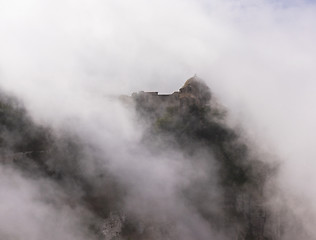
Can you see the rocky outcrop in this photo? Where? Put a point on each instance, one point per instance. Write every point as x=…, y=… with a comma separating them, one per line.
x=193, y=94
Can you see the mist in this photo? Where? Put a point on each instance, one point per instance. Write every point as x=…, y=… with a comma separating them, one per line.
x=68, y=61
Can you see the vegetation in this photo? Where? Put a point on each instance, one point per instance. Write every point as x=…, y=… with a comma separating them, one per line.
x=241, y=175
x=39, y=153
x=193, y=128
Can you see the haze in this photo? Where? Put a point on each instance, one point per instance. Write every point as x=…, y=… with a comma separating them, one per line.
x=66, y=59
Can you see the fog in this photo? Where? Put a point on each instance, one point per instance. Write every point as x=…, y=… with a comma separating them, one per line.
x=67, y=61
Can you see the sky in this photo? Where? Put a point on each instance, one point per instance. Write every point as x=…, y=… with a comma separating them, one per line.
x=63, y=59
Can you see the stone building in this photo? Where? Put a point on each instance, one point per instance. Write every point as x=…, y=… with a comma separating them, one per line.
x=193, y=92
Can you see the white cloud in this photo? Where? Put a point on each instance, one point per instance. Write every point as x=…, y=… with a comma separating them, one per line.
x=61, y=57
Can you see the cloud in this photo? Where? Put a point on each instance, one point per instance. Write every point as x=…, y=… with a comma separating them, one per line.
x=37, y=209
x=64, y=58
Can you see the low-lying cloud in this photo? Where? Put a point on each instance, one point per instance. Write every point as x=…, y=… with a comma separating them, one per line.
x=68, y=60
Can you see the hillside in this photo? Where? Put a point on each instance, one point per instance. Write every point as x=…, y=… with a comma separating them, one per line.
x=230, y=194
